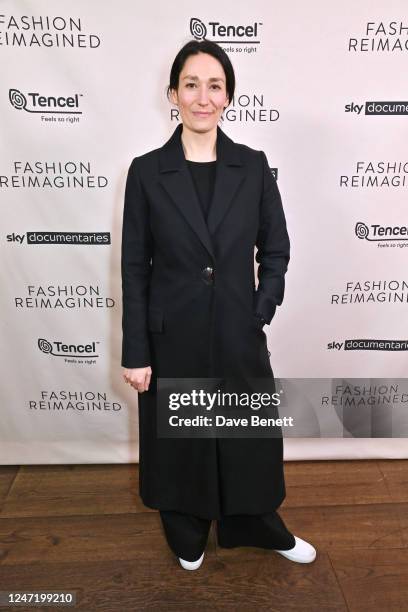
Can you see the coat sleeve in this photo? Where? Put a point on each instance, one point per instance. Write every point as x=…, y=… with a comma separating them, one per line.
x=273, y=247
x=136, y=253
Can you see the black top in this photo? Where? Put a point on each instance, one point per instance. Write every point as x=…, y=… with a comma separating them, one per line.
x=203, y=175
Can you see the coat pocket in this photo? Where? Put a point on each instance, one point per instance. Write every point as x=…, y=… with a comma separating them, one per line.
x=156, y=320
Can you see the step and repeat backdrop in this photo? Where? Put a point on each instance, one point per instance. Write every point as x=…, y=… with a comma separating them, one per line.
x=320, y=89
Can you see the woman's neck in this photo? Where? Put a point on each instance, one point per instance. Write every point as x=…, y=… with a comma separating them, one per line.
x=199, y=146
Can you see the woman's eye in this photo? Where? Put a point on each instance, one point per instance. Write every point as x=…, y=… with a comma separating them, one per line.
x=193, y=85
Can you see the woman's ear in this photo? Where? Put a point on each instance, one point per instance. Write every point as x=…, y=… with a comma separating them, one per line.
x=173, y=96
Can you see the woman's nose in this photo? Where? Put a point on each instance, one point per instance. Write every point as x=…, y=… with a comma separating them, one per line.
x=203, y=95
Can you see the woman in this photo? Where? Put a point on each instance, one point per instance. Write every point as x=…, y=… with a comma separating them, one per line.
x=194, y=210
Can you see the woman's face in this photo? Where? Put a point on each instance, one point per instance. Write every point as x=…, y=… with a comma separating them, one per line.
x=201, y=95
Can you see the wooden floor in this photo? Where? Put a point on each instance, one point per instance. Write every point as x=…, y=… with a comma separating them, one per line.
x=84, y=528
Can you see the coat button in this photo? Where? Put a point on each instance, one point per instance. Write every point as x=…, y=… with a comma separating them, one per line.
x=208, y=275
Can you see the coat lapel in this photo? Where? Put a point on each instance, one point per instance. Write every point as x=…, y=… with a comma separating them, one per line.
x=176, y=179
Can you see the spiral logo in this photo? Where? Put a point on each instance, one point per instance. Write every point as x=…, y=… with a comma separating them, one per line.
x=197, y=28
x=361, y=230
x=44, y=345
x=17, y=99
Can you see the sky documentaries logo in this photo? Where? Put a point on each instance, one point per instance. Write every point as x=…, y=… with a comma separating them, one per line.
x=373, y=107
x=227, y=34
x=34, y=102
x=382, y=234
x=369, y=344
x=66, y=238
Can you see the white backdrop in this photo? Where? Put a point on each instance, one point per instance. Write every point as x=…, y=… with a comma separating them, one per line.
x=83, y=92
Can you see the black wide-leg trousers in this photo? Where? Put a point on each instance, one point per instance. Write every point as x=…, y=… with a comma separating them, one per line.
x=187, y=534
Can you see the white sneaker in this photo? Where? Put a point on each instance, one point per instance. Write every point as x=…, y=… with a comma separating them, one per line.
x=302, y=552
x=191, y=565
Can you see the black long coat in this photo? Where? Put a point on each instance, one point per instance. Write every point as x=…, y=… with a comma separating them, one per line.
x=189, y=299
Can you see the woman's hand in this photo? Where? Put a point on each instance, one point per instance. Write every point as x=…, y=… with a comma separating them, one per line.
x=139, y=378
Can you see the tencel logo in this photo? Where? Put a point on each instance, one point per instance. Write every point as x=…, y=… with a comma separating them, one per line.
x=34, y=102
x=37, y=103
x=226, y=33
x=382, y=234
x=73, y=353
x=197, y=28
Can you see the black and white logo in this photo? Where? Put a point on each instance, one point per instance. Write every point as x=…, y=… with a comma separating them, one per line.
x=35, y=102
x=382, y=234
x=222, y=33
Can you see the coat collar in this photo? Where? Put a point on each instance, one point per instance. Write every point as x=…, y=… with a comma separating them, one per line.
x=176, y=179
